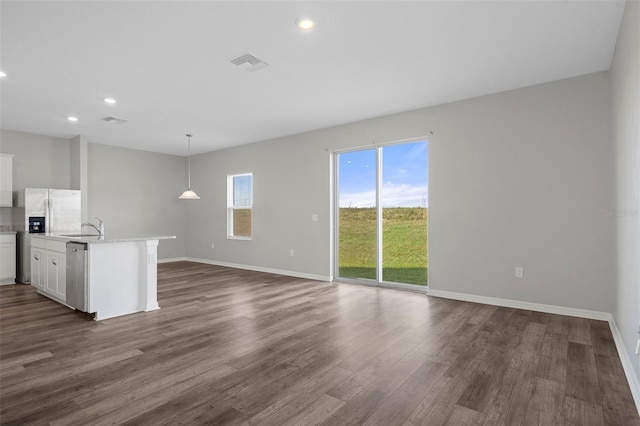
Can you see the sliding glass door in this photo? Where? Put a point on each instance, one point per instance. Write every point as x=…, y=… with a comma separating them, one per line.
x=382, y=207
x=357, y=215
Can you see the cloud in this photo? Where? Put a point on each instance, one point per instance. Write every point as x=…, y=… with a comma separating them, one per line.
x=393, y=195
x=405, y=195
x=358, y=199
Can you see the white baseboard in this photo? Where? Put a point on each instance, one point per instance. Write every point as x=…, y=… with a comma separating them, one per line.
x=172, y=259
x=632, y=379
x=627, y=365
x=261, y=269
x=508, y=303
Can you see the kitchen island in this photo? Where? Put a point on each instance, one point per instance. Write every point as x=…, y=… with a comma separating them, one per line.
x=120, y=272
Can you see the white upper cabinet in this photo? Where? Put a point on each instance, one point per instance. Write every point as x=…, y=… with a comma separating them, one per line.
x=6, y=180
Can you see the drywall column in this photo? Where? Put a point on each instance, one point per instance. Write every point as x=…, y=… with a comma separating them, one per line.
x=78, y=170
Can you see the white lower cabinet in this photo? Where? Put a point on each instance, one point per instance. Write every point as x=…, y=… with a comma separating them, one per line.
x=38, y=263
x=7, y=258
x=57, y=274
x=49, y=268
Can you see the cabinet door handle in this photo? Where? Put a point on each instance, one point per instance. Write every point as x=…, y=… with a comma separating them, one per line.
x=36, y=257
x=54, y=261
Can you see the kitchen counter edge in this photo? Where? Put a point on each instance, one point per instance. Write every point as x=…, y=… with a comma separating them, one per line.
x=106, y=239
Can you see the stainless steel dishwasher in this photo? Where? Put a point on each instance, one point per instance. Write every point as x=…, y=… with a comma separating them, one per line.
x=77, y=294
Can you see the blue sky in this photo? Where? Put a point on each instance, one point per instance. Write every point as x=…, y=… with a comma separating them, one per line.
x=404, y=176
x=242, y=190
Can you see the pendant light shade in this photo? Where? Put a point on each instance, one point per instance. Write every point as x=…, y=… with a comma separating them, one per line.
x=189, y=194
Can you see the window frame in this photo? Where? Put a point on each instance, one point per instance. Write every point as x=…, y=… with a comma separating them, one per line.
x=231, y=208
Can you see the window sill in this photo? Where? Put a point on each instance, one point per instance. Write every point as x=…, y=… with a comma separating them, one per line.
x=231, y=237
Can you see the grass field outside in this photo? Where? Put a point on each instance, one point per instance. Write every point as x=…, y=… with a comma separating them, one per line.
x=242, y=222
x=404, y=242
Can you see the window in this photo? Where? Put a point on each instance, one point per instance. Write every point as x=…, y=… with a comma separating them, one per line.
x=240, y=206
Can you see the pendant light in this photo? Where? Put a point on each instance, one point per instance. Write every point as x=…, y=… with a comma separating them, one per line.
x=189, y=194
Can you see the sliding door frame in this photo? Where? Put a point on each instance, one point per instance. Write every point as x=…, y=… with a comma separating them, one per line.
x=378, y=282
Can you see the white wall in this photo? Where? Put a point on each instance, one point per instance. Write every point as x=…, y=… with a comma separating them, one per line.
x=39, y=162
x=291, y=182
x=625, y=91
x=520, y=178
x=523, y=178
x=136, y=192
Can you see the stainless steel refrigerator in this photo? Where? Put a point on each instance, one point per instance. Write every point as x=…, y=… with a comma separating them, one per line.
x=45, y=211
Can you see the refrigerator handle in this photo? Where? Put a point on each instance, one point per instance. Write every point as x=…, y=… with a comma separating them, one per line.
x=49, y=202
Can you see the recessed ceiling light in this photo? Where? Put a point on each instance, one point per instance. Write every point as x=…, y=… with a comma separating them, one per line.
x=305, y=24
x=110, y=100
x=2, y=74
x=72, y=118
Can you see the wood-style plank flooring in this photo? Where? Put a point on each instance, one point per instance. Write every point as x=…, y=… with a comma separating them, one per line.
x=239, y=347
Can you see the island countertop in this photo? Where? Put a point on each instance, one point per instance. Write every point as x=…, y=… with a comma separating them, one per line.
x=108, y=238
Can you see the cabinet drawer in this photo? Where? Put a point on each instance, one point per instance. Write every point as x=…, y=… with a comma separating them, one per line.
x=59, y=246
x=38, y=242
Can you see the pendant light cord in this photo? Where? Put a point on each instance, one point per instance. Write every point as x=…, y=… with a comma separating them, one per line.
x=189, y=159
x=189, y=194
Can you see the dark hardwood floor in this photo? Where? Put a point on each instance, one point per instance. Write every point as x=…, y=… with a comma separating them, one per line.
x=240, y=347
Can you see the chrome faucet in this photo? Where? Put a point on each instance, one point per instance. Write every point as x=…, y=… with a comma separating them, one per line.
x=99, y=228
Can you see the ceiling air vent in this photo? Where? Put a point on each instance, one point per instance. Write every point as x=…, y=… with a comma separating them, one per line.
x=115, y=120
x=249, y=62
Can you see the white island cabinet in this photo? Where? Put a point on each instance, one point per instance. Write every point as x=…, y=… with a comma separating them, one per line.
x=48, y=268
x=120, y=278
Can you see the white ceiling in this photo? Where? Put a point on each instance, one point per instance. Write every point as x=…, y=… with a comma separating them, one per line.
x=167, y=63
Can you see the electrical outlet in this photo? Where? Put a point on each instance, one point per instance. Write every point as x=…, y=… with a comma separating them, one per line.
x=314, y=217
x=519, y=272
x=213, y=245
x=291, y=252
